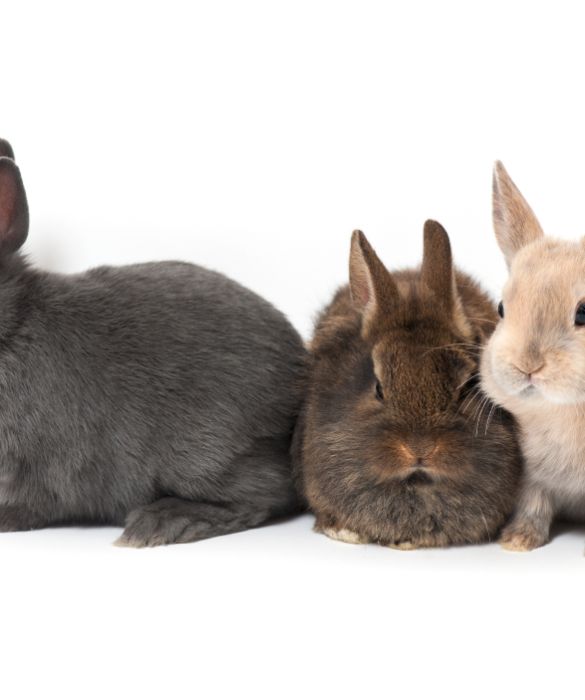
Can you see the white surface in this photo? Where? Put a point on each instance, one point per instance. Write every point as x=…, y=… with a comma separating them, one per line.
x=253, y=137
x=282, y=612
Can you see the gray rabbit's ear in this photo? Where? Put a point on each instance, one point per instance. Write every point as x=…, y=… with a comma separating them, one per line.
x=372, y=286
x=13, y=208
x=515, y=224
x=6, y=150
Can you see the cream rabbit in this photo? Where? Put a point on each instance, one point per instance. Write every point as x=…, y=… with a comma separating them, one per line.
x=534, y=364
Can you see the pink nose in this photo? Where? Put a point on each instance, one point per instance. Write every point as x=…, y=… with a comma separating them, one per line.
x=530, y=372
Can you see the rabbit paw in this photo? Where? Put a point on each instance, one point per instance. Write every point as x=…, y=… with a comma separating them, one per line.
x=522, y=538
x=154, y=525
x=174, y=520
x=344, y=535
x=406, y=545
x=15, y=518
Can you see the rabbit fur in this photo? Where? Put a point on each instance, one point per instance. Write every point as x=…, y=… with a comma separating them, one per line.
x=534, y=365
x=160, y=397
x=395, y=443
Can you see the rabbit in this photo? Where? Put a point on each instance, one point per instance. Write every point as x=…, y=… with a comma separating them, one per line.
x=160, y=397
x=534, y=365
x=390, y=447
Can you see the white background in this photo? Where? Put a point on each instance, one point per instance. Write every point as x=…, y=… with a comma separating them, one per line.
x=252, y=137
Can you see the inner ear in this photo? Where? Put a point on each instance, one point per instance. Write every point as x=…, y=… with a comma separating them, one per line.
x=372, y=287
x=6, y=149
x=13, y=208
x=515, y=224
x=360, y=280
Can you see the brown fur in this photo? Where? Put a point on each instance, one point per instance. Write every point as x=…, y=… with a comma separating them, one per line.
x=424, y=466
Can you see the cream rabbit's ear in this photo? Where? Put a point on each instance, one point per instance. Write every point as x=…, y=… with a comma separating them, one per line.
x=515, y=224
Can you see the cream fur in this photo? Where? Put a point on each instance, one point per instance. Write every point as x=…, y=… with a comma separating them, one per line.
x=538, y=336
x=344, y=535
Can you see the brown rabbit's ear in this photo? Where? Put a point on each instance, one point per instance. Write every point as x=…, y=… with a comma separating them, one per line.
x=437, y=266
x=13, y=208
x=372, y=286
x=514, y=221
x=438, y=273
x=6, y=149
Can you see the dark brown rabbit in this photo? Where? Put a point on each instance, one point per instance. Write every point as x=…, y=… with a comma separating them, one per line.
x=396, y=443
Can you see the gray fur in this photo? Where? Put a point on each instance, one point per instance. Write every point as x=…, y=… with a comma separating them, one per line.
x=160, y=395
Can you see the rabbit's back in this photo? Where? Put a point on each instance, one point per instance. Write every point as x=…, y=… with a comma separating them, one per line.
x=144, y=377
x=177, y=320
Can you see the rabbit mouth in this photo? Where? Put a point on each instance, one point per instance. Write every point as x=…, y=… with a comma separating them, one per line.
x=419, y=477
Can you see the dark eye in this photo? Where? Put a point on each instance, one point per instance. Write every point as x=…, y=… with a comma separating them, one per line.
x=500, y=309
x=379, y=392
x=580, y=315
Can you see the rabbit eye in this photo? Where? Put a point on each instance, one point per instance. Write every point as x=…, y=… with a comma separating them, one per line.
x=379, y=392
x=580, y=315
x=500, y=309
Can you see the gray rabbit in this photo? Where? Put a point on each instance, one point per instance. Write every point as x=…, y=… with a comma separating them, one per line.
x=159, y=396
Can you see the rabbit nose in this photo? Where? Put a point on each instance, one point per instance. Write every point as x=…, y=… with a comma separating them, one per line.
x=419, y=455
x=529, y=370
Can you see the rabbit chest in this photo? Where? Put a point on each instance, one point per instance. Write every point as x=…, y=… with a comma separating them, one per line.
x=554, y=449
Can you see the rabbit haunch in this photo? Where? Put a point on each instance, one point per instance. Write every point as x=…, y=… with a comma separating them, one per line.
x=161, y=396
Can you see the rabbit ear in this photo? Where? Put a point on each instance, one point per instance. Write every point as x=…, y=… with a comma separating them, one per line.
x=437, y=266
x=13, y=208
x=438, y=273
x=372, y=286
x=6, y=149
x=514, y=221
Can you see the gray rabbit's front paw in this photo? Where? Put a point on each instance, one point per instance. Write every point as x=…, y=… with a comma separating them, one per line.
x=151, y=526
x=174, y=520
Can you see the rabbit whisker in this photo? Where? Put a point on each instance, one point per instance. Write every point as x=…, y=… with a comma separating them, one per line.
x=472, y=346
x=468, y=403
x=490, y=416
x=484, y=320
x=484, y=404
x=473, y=376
